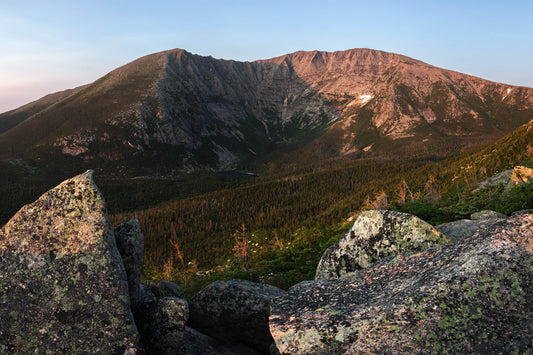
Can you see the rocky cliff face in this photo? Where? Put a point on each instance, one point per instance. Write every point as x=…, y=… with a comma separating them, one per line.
x=191, y=112
x=230, y=111
x=195, y=113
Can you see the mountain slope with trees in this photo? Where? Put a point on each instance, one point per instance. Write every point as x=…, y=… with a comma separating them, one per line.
x=289, y=222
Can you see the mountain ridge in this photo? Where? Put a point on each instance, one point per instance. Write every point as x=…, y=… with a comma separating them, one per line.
x=199, y=113
x=386, y=95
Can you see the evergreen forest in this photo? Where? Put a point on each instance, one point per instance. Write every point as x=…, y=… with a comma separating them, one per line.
x=274, y=227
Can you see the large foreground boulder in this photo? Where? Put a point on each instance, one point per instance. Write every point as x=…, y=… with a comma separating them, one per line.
x=235, y=312
x=473, y=296
x=374, y=235
x=63, y=287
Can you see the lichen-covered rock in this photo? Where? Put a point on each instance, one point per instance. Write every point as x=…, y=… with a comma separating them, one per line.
x=161, y=322
x=63, y=287
x=130, y=243
x=522, y=212
x=235, y=311
x=374, y=235
x=463, y=228
x=472, y=296
x=486, y=214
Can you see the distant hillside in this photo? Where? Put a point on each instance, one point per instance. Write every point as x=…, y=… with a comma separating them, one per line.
x=175, y=112
x=12, y=118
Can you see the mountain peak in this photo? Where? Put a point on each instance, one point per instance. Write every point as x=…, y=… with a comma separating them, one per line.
x=216, y=114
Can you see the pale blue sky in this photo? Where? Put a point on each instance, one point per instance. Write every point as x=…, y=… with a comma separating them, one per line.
x=47, y=46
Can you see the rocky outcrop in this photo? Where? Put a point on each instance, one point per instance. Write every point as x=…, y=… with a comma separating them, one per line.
x=161, y=322
x=472, y=296
x=161, y=310
x=235, y=311
x=374, y=235
x=486, y=214
x=130, y=243
x=508, y=178
x=63, y=287
x=69, y=282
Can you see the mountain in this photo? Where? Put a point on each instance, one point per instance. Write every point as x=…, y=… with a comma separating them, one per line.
x=183, y=110
x=395, y=105
x=12, y=118
x=178, y=112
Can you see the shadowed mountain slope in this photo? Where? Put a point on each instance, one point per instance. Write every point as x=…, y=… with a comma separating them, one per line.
x=187, y=111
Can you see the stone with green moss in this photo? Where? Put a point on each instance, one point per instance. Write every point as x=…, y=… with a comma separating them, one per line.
x=474, y=296
x=374, y=235
x=63, y=287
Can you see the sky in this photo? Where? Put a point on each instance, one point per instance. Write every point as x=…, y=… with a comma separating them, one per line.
x=53, y=45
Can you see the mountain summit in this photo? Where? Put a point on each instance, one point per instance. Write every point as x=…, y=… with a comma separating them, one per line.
x=388, y=99
x=182, y=112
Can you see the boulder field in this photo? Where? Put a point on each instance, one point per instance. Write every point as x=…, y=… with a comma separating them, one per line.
x=70, y=283
x=471, y=296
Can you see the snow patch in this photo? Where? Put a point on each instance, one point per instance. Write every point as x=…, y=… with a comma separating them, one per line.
x=429, y=115
x=365, y=98
x=508, y=91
